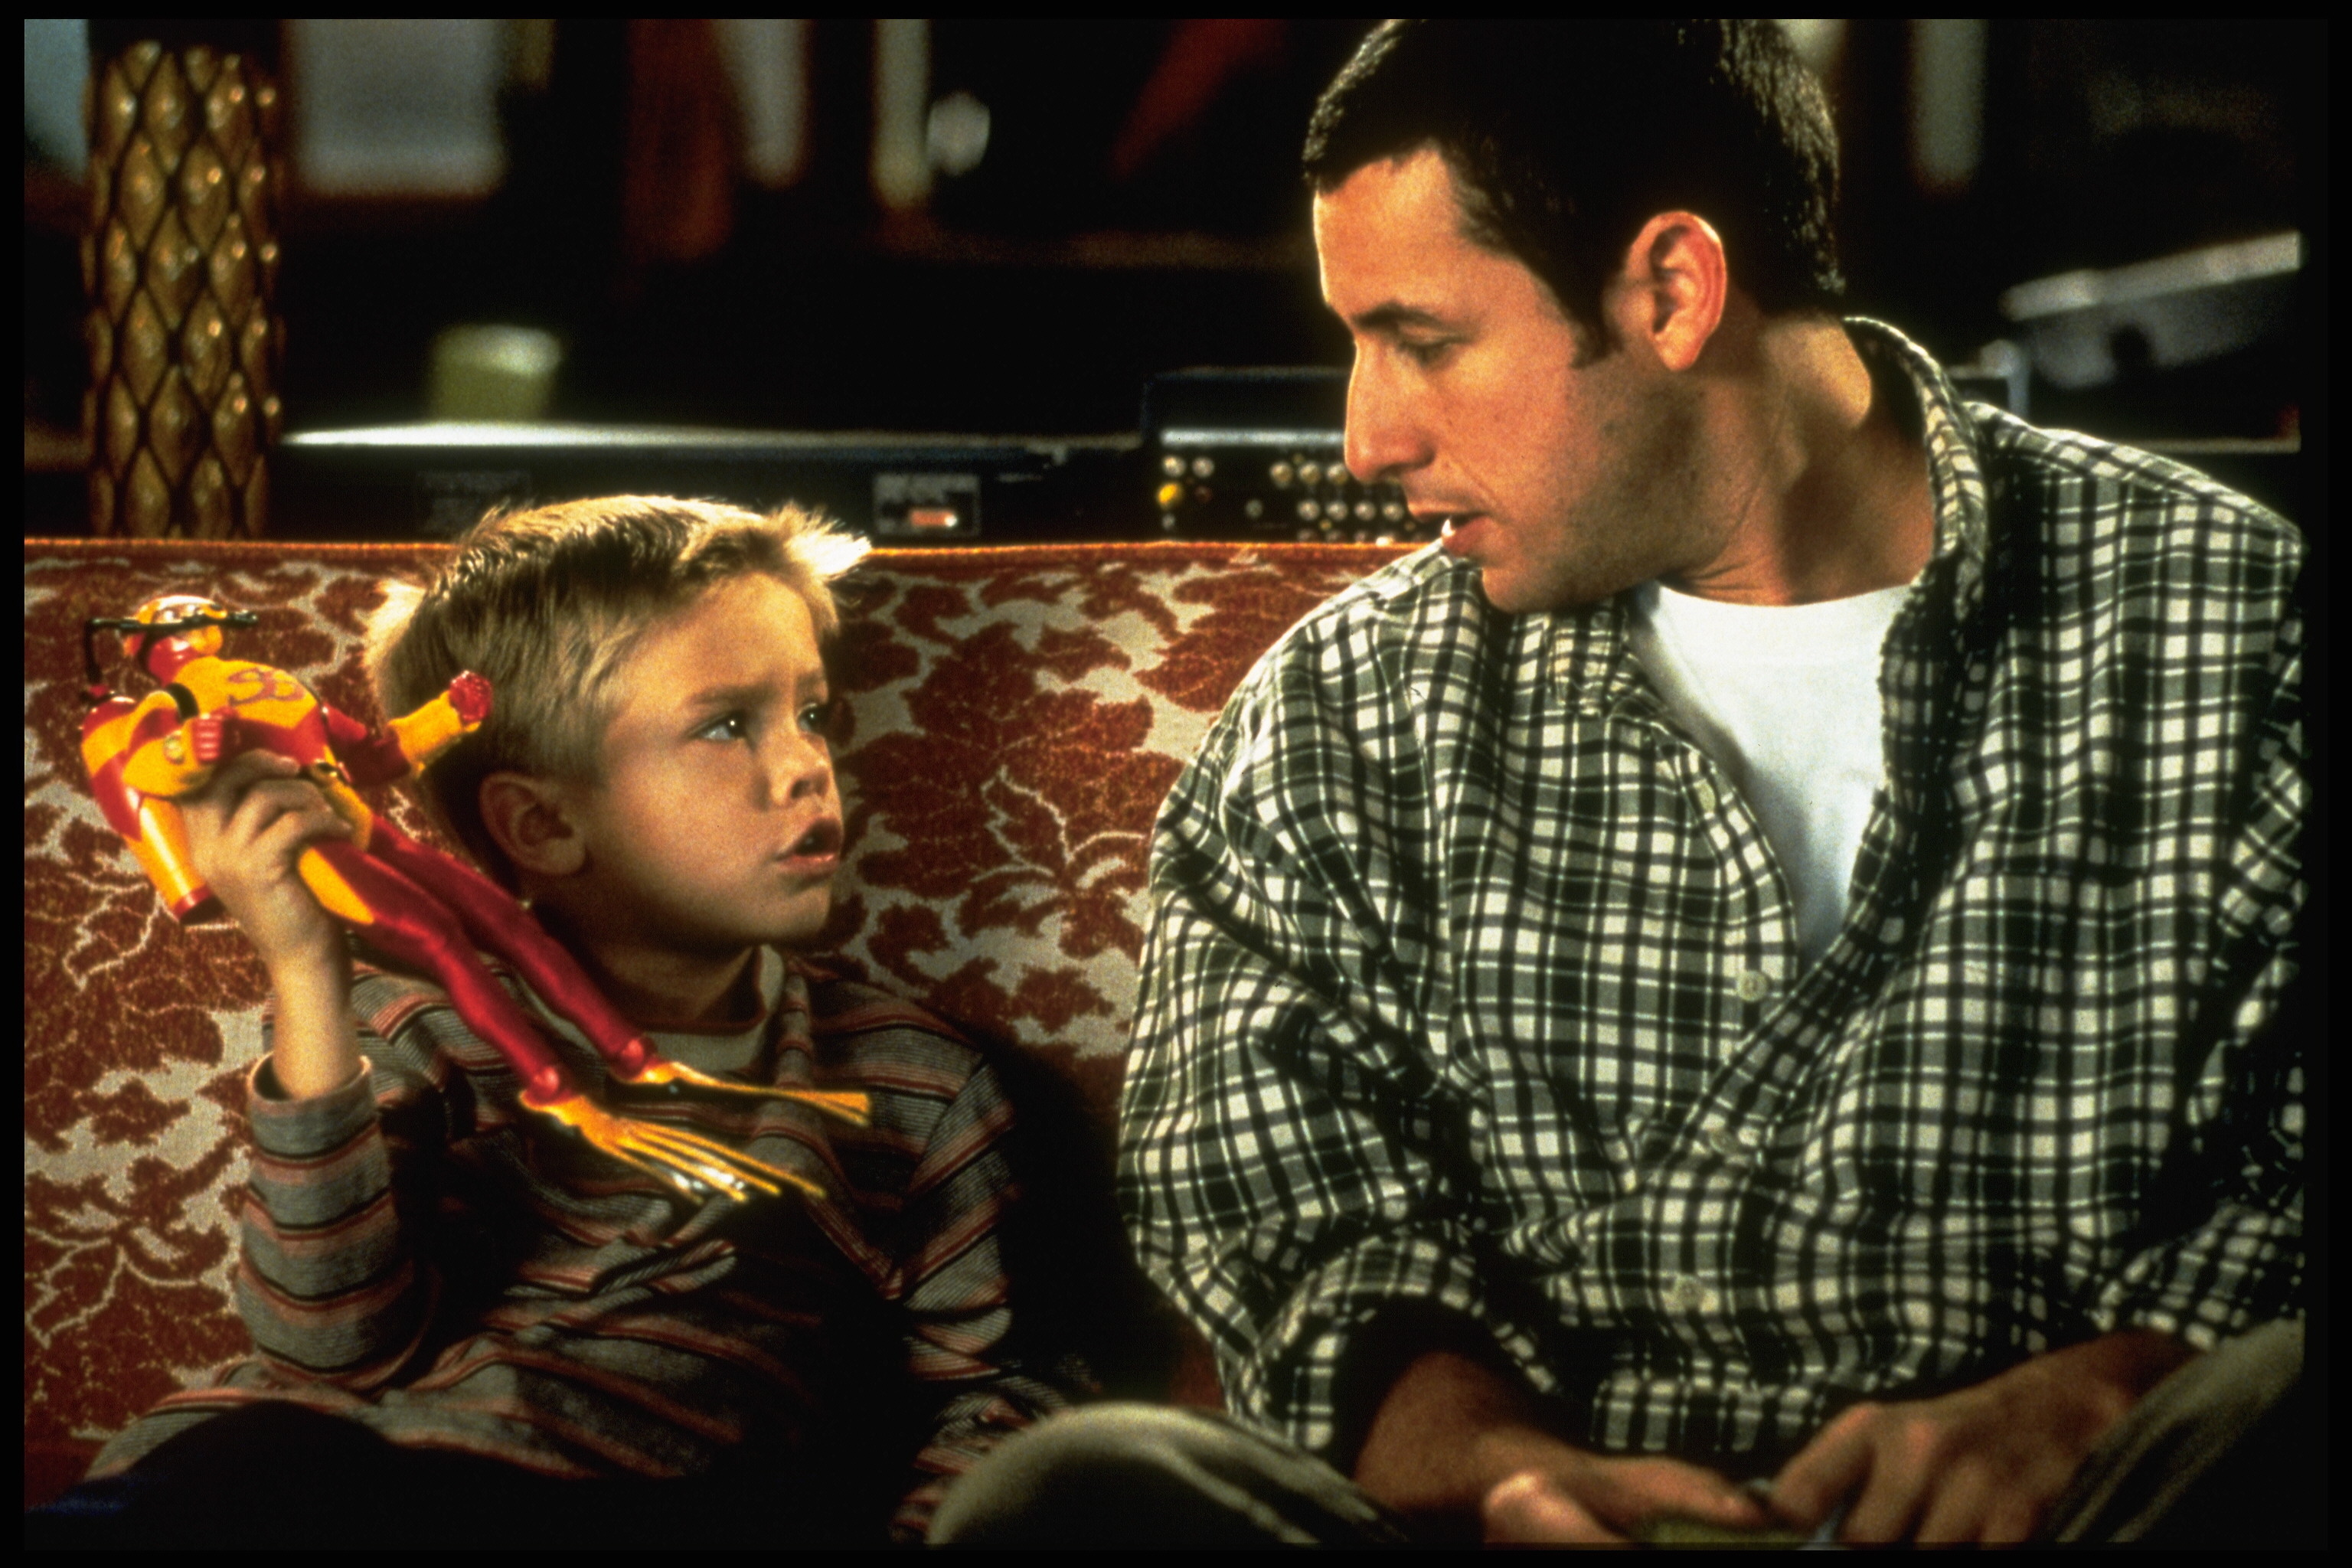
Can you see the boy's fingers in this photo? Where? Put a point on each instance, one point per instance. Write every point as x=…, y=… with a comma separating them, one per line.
x=275, y=818
x=297, y=825
x=240, y=773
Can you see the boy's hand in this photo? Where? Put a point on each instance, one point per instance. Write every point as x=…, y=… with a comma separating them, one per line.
x=247, y=828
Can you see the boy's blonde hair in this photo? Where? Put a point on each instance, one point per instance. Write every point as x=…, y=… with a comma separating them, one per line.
x=550, y=603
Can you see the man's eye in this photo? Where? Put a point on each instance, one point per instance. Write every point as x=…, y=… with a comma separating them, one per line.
x=1425, y=354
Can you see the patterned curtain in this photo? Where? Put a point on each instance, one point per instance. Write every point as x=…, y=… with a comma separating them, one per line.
x=179, y=265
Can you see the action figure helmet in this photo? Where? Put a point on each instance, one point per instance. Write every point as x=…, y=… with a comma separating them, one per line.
x=185, y=623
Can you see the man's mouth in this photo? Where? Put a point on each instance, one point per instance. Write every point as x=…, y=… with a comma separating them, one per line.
x=1453, y=526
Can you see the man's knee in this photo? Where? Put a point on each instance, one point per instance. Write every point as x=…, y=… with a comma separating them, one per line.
x=1152, y=1475
x=2225, y=1451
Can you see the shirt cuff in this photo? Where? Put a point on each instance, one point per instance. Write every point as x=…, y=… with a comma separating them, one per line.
x=315, y=1125
x=1290, y=1382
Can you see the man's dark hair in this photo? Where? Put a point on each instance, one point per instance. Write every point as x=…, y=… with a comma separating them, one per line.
x=1564, y=138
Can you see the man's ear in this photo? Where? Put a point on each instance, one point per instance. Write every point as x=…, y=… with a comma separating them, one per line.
x=527, y=818
x=1673, y=287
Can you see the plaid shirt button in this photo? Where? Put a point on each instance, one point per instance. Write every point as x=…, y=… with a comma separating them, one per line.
x=1685, y=1294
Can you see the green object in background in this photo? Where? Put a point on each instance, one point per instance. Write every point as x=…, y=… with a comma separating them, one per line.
x=498, y=374
x=1671, y=1531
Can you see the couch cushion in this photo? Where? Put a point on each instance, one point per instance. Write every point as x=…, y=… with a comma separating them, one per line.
x=1016, y=716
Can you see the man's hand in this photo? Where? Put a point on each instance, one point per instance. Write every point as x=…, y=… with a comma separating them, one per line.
x=1458, y=1445
x=1584, y=1499
x=1981, y=1464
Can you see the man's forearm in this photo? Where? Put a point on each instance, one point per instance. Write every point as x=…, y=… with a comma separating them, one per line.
x=1450, y=1430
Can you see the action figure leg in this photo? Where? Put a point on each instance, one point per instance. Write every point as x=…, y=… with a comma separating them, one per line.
x=407, y=925
x=499, y=924
x=496, y=923
x=410, y=927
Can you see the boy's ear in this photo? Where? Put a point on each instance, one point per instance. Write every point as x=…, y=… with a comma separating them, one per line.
x=525, y=817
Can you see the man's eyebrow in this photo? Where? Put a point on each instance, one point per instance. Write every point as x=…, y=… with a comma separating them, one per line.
x=1392, y=315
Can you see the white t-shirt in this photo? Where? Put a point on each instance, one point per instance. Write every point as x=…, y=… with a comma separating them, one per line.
x=1785, y=699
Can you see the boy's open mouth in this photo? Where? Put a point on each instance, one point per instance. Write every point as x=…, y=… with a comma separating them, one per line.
x=821, y=842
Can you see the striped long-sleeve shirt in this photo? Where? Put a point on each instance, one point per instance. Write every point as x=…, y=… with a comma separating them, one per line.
x=1473, y=985
x=421, y=1257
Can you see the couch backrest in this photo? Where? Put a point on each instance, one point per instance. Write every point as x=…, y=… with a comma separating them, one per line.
x=1017, y=715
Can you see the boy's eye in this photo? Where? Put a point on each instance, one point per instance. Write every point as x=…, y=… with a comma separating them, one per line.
x=727, y=727
x=819, y=719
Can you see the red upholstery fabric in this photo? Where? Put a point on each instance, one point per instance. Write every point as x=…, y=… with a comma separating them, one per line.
x=1016, y=716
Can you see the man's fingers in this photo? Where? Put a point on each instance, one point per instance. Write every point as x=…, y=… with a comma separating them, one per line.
x=1530, y=1507
x=1901, y=1472
x=1827, y=1471
x=1631, y=1492
x=282, y=833
x=1957, y=1512
x=1602, y=1501
x=2010, y=1522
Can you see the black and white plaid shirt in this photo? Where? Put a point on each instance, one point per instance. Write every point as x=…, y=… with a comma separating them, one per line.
x=1473, y=984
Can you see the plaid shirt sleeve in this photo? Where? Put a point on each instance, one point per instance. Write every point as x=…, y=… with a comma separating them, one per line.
x=1293, y=1167
x=2237, y=1188
x=1473, y=984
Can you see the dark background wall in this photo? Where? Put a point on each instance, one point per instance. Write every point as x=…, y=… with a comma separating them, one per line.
x=1136, y=209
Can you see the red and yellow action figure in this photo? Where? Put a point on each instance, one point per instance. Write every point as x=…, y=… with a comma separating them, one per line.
x=417, y=907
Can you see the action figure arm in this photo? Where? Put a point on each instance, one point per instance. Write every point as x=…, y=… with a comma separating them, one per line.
x=182, y=761
x=413, y=740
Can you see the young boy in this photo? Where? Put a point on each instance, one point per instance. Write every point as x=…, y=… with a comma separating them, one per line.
x=470, y=1329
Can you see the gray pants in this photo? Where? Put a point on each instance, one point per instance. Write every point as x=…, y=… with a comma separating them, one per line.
x=2225, y=1452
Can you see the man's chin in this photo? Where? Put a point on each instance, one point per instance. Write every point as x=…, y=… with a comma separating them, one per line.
x=1520, y=593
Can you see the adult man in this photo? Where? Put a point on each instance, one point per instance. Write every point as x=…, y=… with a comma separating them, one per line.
x=1761, y=957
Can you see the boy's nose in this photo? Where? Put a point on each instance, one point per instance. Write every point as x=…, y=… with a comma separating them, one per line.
x=803, y=767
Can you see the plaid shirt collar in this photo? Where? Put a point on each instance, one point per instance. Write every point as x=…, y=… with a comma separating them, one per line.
x=1589, y=652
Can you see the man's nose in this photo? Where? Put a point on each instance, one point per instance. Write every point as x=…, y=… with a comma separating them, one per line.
x=1383, y=441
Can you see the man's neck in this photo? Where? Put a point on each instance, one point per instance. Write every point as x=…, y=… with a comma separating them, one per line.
x=1822, y=490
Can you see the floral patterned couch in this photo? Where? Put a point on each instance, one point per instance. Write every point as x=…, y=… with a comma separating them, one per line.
x=1017, y=715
